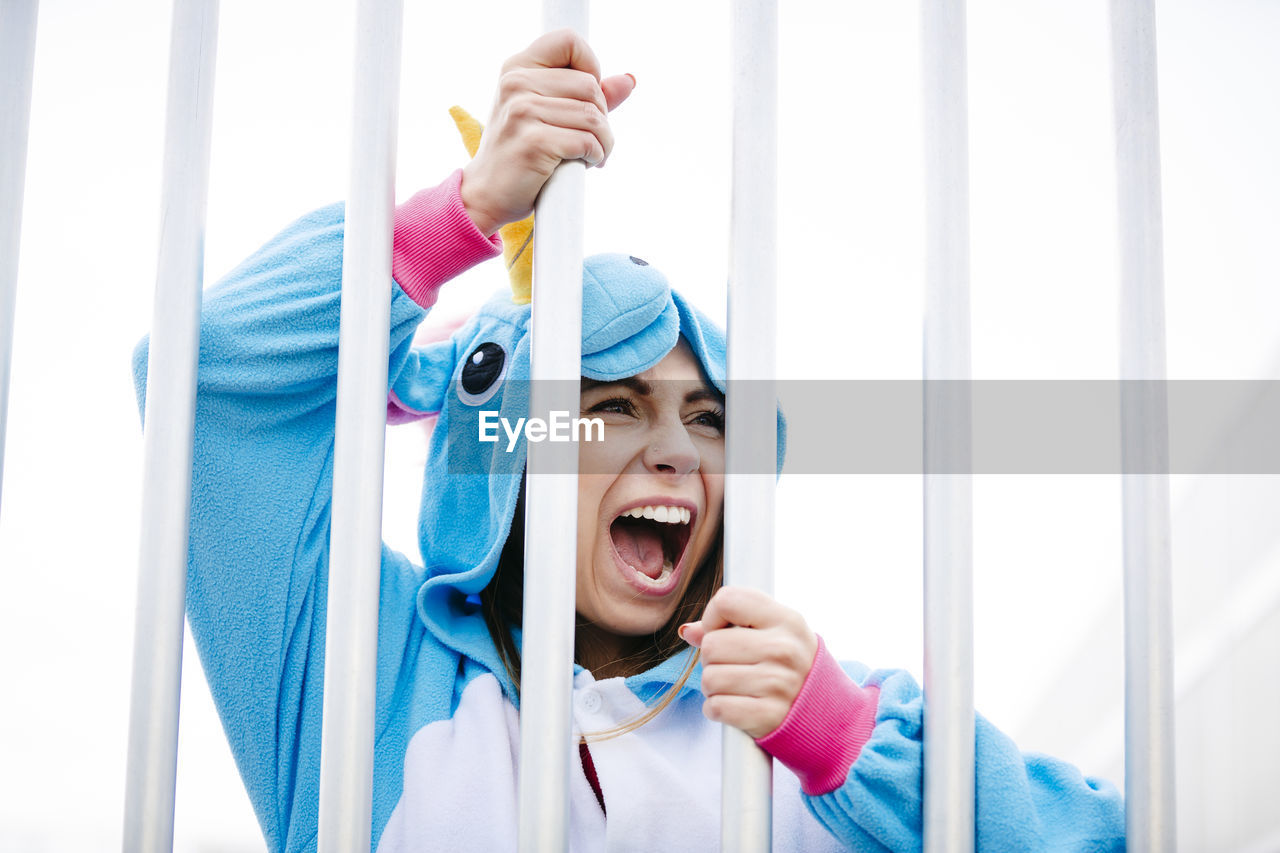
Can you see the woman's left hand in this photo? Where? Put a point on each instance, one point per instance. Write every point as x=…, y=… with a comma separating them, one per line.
x=756, y=654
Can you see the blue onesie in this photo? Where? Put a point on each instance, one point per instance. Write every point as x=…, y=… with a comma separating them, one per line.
x=447, y=729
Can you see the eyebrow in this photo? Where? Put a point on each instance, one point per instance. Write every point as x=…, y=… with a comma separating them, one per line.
x=635, y=383
x=640, y=386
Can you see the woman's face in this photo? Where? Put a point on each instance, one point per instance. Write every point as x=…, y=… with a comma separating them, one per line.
x=663, y=449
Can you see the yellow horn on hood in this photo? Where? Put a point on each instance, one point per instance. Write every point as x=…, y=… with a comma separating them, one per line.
x=517, y=237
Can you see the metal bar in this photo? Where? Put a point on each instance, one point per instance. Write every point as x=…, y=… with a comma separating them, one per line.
x=355, y=542
x=551, y=506
x=1149, y=702
x=17, y=58
x=948, y=523
x=746, y=815
x=169, y=419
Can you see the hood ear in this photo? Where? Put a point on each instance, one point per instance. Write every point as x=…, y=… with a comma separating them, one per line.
x=419, y=388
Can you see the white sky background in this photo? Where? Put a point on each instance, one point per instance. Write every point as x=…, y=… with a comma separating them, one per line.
x=1047, y=552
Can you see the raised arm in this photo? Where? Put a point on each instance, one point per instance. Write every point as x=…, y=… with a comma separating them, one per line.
x=266, y=389
x=263, y=461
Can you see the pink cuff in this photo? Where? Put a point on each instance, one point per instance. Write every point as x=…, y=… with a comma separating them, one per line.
x=436, y=240
x=826, y=728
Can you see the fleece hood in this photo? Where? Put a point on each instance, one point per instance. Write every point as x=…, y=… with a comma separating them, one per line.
x=631, y=319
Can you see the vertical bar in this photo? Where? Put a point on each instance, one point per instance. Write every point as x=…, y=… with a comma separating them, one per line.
x=17, y=58
x=746, y=816
x=355, y=542
x=169, y=421
x=1149, y=758
x=551, y=514
x=948, y=522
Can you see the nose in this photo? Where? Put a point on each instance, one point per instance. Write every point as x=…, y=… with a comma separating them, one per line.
x=671, y=450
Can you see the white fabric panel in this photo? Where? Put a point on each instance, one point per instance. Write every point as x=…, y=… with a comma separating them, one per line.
x=661, y=783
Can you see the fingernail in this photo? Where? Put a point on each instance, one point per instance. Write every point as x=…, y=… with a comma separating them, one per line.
x=633, y=78
x=680, y=630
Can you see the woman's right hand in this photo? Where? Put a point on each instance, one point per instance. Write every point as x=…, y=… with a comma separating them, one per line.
x=552, y=105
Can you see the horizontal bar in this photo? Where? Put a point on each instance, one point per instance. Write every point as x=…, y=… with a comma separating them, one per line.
x=355, y=541
x=169, y=423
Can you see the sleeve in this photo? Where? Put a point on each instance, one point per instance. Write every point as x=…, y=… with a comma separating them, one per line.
x=854, y=738
x=262, y=474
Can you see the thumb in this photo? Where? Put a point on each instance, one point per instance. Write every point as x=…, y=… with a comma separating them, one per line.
x=617, y=88
x=692, y=633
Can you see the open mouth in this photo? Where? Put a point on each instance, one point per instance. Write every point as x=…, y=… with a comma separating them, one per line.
x=650, y=540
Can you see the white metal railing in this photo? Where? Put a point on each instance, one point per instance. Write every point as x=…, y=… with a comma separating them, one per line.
x=746, y=817
x=551, y=506
x=948, y=492
x=168, y=432
x=1148, y=632
x=17, y=58
x=347, y=740
x=355, y=543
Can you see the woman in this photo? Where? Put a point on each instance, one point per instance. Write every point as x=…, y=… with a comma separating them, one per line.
x=847, y=740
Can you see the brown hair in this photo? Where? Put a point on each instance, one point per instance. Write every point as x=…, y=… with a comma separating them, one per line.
x=502, y=603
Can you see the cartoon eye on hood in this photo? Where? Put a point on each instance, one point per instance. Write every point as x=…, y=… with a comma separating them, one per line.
x=482, y=373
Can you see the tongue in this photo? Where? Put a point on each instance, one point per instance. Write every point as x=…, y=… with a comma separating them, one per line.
x=640, y=547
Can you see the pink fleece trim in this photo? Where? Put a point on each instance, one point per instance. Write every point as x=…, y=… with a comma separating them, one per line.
x=398, y=412
x=436, y=240
x=826, y=728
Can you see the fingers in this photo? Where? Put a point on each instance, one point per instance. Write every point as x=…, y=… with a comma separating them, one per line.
x=756, y=655
x=553, y=83
x=692, y=633
x=558, y=49
x=743, y=606
x=576, y=70
x=755, y=697
x=568, y=144
x=756, y=717
x=730, y=645
x=760, y=681
x=581, y=118
x=617, y=89
x=750, y=646
x=552, y=106
x=734, y=607
x=564, y=98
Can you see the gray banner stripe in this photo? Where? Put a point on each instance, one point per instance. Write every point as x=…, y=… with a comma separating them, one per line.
x=1019, y=427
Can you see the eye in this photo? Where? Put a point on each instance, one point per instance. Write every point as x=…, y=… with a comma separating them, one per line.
x=620, y=405
x=482, y=373
x=713, y=418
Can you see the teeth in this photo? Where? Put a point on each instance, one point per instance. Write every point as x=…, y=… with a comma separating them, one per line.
x=667, y=569
x=664, y=514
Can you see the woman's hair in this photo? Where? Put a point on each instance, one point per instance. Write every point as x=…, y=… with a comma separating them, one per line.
x=502, y=603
